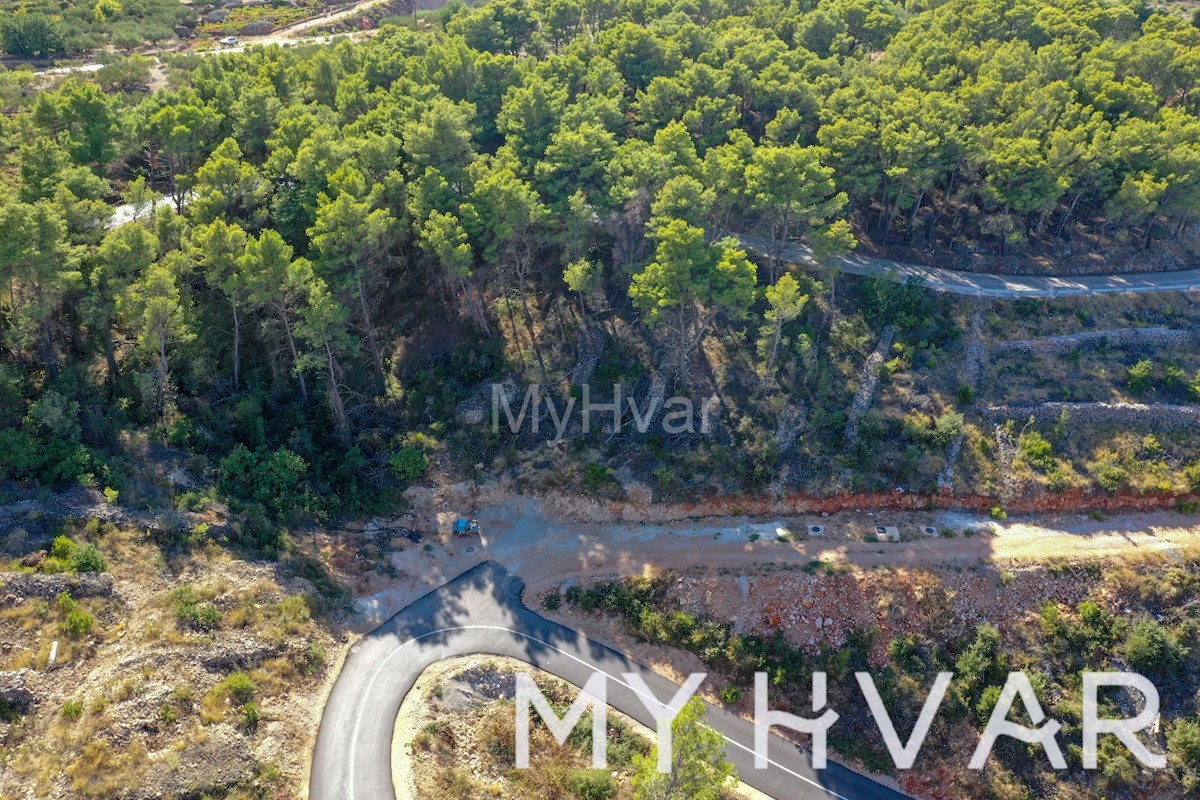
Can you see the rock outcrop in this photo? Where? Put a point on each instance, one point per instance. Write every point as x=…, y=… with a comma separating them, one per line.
x=20, y=585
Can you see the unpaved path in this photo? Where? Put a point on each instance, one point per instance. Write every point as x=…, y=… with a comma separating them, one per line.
x=545, y=551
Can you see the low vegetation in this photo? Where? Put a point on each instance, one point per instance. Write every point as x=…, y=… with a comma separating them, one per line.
x=1141, y=618
x=188, y=673
x=40, y=29
x=466, y=749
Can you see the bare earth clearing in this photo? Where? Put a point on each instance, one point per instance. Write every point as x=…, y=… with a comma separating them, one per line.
x=542, y=541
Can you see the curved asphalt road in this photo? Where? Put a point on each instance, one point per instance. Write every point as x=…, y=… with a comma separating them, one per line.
x=983, y=284
x=481, y=612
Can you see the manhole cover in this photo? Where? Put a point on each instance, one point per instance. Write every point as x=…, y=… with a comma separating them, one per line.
x=470, y=549
x=816, y=530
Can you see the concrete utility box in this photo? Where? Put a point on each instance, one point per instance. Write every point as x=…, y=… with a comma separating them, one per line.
x=888, y=533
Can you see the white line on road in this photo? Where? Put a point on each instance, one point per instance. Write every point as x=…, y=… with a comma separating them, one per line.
x=379, y=669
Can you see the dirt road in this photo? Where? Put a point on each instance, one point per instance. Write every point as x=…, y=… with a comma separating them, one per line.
x=545, y=551
x=293, y=34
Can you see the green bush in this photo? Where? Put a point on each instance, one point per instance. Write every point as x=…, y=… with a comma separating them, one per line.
x=272, y=479
x=1036, y=450
x=981, y=662
x=72, y=710
x=987, y=703
x=88, y=559
x=29, y=35
x=730, y=694
x=314, y=658
x=1139, y=377
x=250, y=716
x=592, y=784
x=1183, y=743
x=201, y=616
x=597, y=477
x=239, y=687
x=1112, y=477
x=407, y=464
x=1099, y=628
x=947, y=427
x=998, y=513
x=49, y=461
x=665, y=478
x=66, y=604
x=193, y=611
x=930, y=431
x=78, y=623
x=1149, y=648
x=62, y=548
x=294, y=609
x=1191, y=474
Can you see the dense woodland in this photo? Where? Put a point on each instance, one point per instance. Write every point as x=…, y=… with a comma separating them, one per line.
x=355, y=238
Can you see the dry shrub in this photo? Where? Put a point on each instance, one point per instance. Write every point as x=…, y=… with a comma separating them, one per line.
x=101, y=772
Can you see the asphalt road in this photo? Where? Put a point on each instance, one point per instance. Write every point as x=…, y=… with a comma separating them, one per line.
x=982, y=284
x=481, y=612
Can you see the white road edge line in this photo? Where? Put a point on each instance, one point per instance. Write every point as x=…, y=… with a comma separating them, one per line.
x=398, y=650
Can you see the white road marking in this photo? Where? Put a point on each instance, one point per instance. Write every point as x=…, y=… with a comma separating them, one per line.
x=382, y=664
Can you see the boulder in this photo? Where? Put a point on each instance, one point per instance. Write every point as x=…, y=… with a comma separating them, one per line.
x=257, y=28
x=476, y=410
x=14, y=691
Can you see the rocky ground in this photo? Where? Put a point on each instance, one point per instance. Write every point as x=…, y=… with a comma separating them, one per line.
x=143, y=704
x=460, y=710
x=822, y=607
